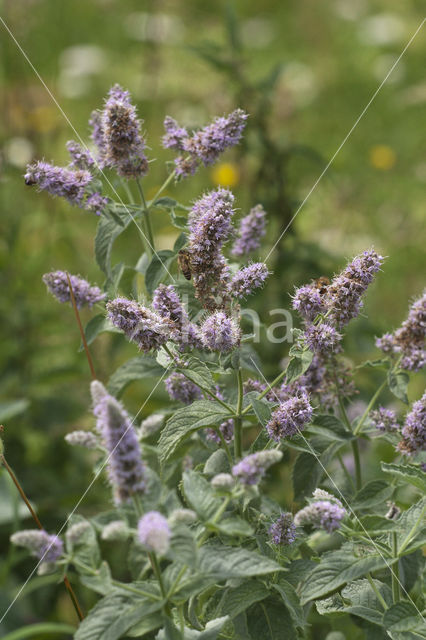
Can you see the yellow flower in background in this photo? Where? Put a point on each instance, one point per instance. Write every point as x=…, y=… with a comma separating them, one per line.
x=382, y=157
x=226, y=174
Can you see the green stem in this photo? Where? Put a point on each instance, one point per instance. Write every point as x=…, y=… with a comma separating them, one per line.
x=238, y=420
x=357, y=461
x=396, y=594
x=368, y=409
x=146, y=218
x=214, y=520
x=376, y=591
x=265, y=392
x=163, y=186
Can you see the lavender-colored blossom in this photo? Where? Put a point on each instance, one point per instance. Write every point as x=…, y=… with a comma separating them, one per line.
x=123, y=142
x=97, y=136
x=85, y=439
x=168, y=305
x=81, y=158
x=245, y=281
x=210, y=224
x=59, y=181
x=219, y=332
x=186, y=166
x=181, y=389
x=414, y=429
x=208, y=143
x=41, y=544
x=322, y=337
x=125, y=468
x=290, y=418
x=321, y=494
x=308, y=302
x=250, y=232
x=251, y=469
x=325, y=513
x=343, y=295
x=84, y=292
x=141, y=325
x=154, y=532
x=175, y=134
x=409, y=339
x=96, y=203
x=384, y=419
x=283, y=530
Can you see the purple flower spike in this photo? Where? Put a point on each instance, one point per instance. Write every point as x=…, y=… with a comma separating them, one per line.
x=251, y=469
x=308, y=302
x=322, y=338
x=84, y=293
x=154, y=532
x=414, y=429
x=283, y=530
x=125, y=467
x=96, y=203
x=141, y=325
x=174, y=136
x=168, y=305
x=248, y=279
x=290, y=417
x=80, y=158
x=251, y=231
x=122, y=140
x=41, y=544
x=181, y=389
x=321, y=514
x=220, y=332
x=208, y=143
x=384, y=419
x=59, y=181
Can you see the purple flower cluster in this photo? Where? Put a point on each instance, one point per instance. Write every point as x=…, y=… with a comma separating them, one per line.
x=251, y=469
x=283, y=530
x=321, y=514
x=210, y=224
x=290, y=417
x=96, y=203
x=80, y=158
x=154, y=532
x=308, y=302
x=84, y=293
x=181, y=389
x=409, y=339
x=219, y=332
x=414, y=429
x=250, y=232
x=204, y=146
x=245, y=281
x=322, y=338
x=343, y=296
x=384, y=419
x=119, y=133
x=41, y=544
x=141, y=325
x=59, y=181
x=168, y=305
x=125, y=467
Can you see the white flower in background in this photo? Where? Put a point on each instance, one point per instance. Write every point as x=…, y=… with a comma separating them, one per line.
x=18, y=151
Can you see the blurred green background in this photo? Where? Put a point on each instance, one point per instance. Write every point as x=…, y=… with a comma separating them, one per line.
x=304, y=70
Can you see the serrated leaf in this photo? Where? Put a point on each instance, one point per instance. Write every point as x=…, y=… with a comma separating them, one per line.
x=101, y=582
x=268, y=619
x=412, y=534
x=107, y=232
x=291, y=600
x=217, y=463
x=374, y=492
x=235, y=601
x=330, y=427
x=198, y=372
x=200, y=495
x=408, y=472
x=86, y=548
x=402, y=616
x=262, y=409
x=336, y=569
x=298, y=364
x=158, y=268
x=358, y=599
x=96, y=325
x=398, y=383
x=376, y=524
x=185, y=422
x=235, y=526
x=183, y=546
x=223, y=562
x=149, y=623
x=134, y=369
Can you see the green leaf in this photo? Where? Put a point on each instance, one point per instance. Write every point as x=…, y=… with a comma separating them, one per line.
x=291, y=600
x=198, y=372
x=306, y=475
x=235, y=527
x=398, y=383
x=200, y=495
x=101, y=582
x=98, y=324
x=412, y=527
x=37, y=630
x=407, y=472
x=183, y=546
x=107, y=232
x=112, y=616
x=374, y=492
x=212, y=630
x=158, y=268
x=402, y=616
x=298, y=364
x=185, y=422
x=134, y=369
x=375, y=524
x=330, y=427
x=235, y=601
x=358, y=599
x=13, y=408
x=262, y=409
x=149, y=623
x=86, y=549
x=268, y=620
x=223, y=562
x=217, y=463
x=180, y=242
x=336, y=569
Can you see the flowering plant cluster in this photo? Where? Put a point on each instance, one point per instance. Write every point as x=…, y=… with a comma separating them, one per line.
x=209, y=553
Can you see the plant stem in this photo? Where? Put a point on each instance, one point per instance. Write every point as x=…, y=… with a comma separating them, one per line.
x=163, y=186
x=36, y=519
x=238, y=420
x=376, y=591
x=225, y=446
x=147, y=218
x=357, y=461
x=368, y=409
x=266, y=391
x=80, y=327
x=396, y=594
x=345, y=471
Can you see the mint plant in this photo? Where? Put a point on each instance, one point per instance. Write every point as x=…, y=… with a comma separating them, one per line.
x=206, y=551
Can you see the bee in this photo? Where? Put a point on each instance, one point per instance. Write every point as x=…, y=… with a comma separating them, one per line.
x=184, y=262
x=321, y=284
